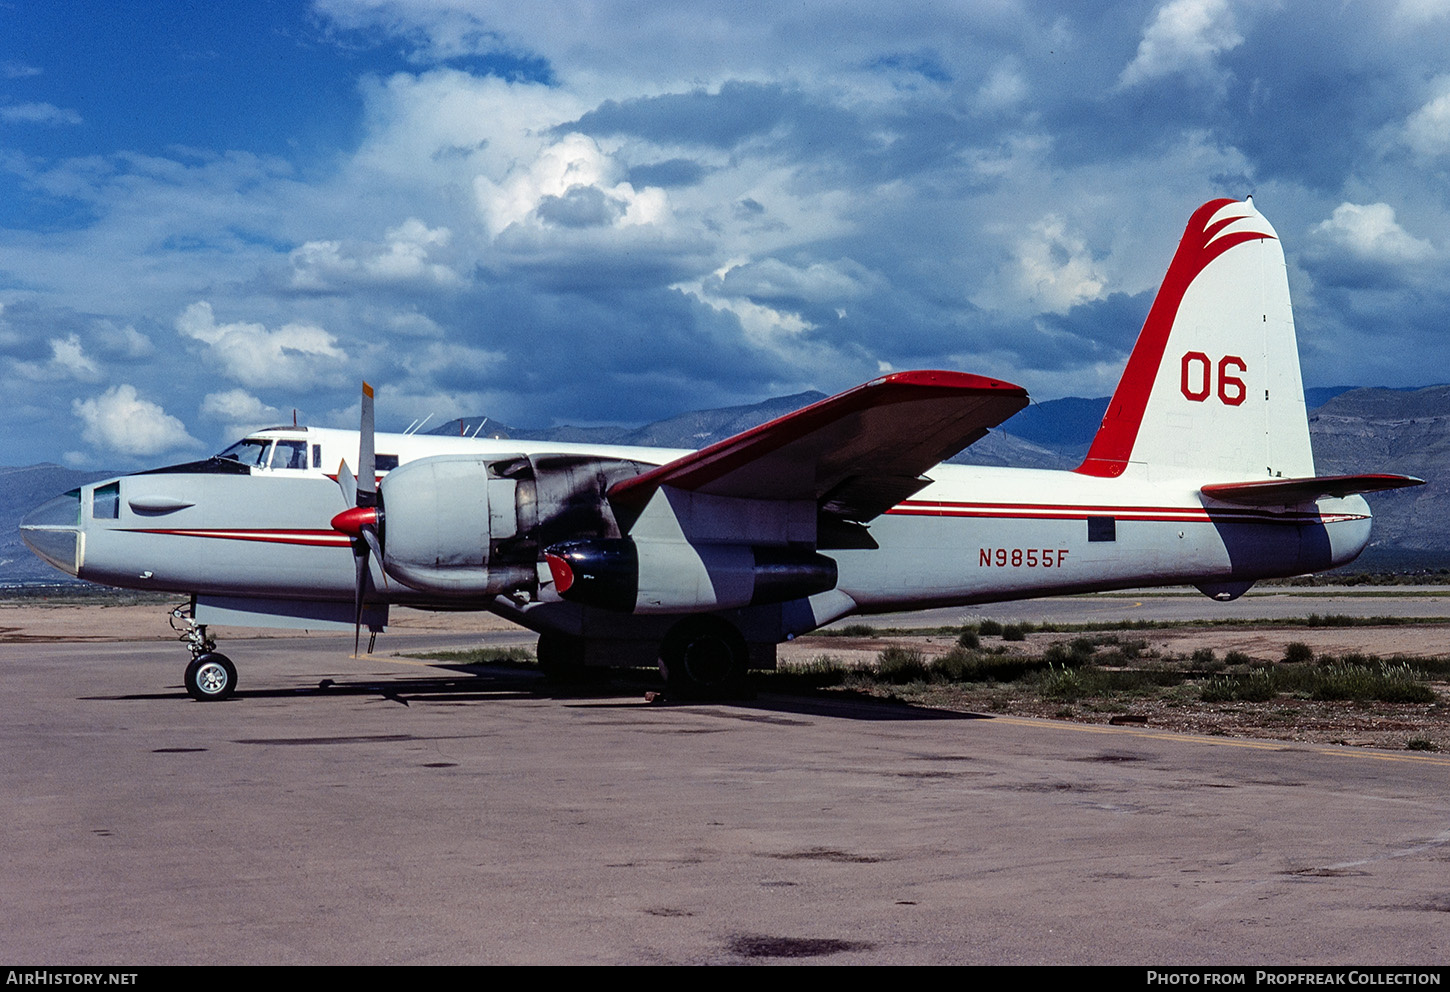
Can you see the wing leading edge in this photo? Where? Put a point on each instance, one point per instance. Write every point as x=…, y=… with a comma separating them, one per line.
x=856, y=454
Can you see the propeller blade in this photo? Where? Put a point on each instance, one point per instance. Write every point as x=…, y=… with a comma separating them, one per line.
x=360, y=519
x=361, y=561
x=370, y=535
x=367, y=468
x=347, y=482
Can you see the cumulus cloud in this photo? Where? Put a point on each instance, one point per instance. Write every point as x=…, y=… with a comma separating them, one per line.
x=120, y=421
x=239, y=411
x=38, y=113
x=570, y=183
x=1427, y=130
x=1005, y=89
x=402, y=259
x=238, y=406
x=68, y=361
x=1185, y=38
x=818, y=282
x=1051, y=271
x=1370, y=231
x=68, y=356
x=294, y=355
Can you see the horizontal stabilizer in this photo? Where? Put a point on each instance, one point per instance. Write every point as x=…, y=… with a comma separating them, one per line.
x=864, y=448
x=1276, y=492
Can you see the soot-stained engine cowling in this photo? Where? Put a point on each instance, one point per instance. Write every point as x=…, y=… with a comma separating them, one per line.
x=473, y=525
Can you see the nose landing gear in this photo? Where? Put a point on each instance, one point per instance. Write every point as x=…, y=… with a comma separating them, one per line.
x=210, y=676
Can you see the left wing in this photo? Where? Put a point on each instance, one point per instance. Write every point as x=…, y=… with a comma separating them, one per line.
x=856, y=454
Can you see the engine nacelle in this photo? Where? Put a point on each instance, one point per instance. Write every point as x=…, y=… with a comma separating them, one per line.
x=472, y=526
x=677, y=577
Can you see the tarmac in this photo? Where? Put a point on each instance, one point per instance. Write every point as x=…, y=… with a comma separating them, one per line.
x=394, y=811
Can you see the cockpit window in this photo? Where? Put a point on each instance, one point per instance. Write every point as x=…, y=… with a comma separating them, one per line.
x=249, y=451
x=290, y=454
x=106, y=503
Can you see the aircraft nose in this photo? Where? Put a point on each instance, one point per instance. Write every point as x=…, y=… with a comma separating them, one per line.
x=52, y=530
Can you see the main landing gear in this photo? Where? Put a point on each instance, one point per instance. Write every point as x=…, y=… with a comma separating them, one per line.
x=210, y=676
x=704, y=657
x=700, y=657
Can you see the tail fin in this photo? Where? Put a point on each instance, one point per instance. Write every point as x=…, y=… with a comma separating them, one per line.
x=1212, y=389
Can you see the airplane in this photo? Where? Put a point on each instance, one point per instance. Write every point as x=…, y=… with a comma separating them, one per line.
x=704, y=561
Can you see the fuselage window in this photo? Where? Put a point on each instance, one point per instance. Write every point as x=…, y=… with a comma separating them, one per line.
x=289, y=454
x=1102, y=528
x=385, y=463
x=317, y=456
x=106, y=503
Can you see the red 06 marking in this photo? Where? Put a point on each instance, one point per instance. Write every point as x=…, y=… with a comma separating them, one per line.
x=1196, y=378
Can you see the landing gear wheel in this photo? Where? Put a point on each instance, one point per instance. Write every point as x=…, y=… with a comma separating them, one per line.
x=210, y=677
x=704, y=657
x=561, y=659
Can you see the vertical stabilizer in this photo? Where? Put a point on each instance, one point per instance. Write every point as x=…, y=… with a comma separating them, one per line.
x=1212, y=390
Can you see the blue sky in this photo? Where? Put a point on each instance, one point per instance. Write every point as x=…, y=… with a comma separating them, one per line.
x=611, y=211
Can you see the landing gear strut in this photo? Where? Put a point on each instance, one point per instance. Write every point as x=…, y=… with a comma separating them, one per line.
x=210, y=676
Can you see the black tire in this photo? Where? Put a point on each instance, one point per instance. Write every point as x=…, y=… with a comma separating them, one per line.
x=561, y=658
x=211, y=677
x=704, y=657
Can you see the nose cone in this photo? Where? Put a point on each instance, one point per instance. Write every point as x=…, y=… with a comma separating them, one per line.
x=52, y=530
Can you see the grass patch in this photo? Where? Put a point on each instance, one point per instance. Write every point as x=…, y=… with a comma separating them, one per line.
x=483, y=656
x=1355, y=678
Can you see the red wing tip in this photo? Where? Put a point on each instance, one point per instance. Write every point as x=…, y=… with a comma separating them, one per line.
x=944, y=379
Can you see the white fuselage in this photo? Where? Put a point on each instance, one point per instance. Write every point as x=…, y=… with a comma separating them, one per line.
x=975, y=535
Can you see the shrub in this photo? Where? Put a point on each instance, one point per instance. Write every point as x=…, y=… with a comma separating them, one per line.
x=1255, y=687
x=969, y=639
x=989, y=628
x=899, y=665
x=1015, y=632
x=957, y=665
x=1297, y=652
x=1073, y=654
x=1390, y=684
x=821, y=671
x=1065, y=684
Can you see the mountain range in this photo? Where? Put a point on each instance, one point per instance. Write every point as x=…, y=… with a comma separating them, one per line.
x=1353, y=430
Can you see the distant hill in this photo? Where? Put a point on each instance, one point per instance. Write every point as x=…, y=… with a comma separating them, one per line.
x=687, y=430
x=1354, y=430
x=1388, y=430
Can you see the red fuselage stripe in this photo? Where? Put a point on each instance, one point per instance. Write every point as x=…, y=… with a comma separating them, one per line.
x=315, y=538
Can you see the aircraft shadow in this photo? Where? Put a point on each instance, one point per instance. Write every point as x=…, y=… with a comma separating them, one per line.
x=622, y=690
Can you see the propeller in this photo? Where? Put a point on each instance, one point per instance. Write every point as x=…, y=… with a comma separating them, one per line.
x=364, y=516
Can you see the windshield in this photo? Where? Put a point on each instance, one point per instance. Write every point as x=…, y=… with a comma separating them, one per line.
x=249, y=451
